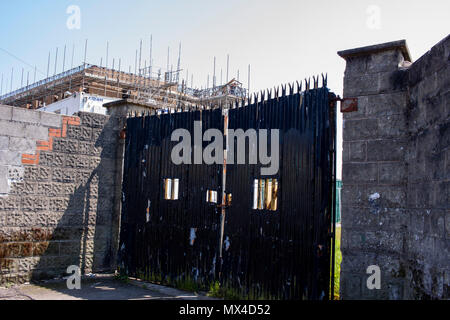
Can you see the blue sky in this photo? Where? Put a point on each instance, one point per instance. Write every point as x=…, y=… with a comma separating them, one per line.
x=283, y=40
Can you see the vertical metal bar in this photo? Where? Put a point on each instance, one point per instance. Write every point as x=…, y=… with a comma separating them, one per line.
x=150, y=61
x=168, y=58
x=85, y=52
x=64, y=59
x=135, y=62
x=179, y=63
x=12, y=74
x=224, y=181
x=84, y=62
x=56, y=60
x=107, y=54
x=63, y=69
x=214, y=74
x=140, y=57
x=73, y=54
x=140, y=63
x=135, y=72
x=145, y=73
x=333, y=128
x=228, y=66
x=48, y=64
x=71, y=67
x=249, y=82
x=106, y=65
x=118, y=77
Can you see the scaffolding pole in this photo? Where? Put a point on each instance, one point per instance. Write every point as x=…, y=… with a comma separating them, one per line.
x=84, y=63
x=56, y=60
x=151, y=49
x=249, y=82
x=228, y=65
x=12, y=75
x=214, y=74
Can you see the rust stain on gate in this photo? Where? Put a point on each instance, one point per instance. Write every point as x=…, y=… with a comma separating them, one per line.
x=224, y=225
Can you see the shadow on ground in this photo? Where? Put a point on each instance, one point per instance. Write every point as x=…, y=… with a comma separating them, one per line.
x=94, y=288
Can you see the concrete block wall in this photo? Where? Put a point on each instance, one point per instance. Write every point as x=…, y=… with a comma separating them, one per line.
x=395, y=195
x=57, y=187
x=428, y=185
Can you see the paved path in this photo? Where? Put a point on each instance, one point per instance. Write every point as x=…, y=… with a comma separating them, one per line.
x=98, y=287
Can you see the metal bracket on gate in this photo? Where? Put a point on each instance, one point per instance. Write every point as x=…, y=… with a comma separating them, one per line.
x=123, y=134
x=227, y=203
x=347, y=104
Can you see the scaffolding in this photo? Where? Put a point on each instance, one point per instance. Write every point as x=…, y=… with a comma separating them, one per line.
x=146, y=87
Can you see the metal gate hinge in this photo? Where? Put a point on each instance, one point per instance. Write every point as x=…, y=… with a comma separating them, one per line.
x=123, y=134
x=347, y=104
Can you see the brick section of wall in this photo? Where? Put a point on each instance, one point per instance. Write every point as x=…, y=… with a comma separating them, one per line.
x=58, y=208
x=47, y=145
x=395, y=175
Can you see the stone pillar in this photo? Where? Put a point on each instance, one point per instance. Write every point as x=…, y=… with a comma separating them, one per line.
x=374, y=170
x=120, y=151
x=120, y=110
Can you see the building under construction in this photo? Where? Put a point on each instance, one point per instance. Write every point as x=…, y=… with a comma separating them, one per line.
x=93, y=86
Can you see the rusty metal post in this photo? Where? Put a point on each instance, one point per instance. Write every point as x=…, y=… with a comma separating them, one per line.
x=224, y=181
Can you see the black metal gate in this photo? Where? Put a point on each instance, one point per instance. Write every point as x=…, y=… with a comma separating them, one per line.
x=260, y=236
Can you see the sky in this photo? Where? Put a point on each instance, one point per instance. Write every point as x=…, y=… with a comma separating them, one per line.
x=283, y=40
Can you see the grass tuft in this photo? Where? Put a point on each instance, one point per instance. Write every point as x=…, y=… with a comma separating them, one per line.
x=337, y=263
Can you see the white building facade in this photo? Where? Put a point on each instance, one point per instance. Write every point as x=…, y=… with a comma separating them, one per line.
x=79, y=101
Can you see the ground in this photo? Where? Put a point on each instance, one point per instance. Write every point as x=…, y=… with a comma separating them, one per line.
x=96, y=287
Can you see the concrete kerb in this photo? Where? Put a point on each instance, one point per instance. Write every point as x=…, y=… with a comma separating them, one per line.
x=180, y=294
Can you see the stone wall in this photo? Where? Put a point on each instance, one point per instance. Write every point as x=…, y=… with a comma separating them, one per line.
x=395, y=196
x=428, y=184
x=57, y=187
